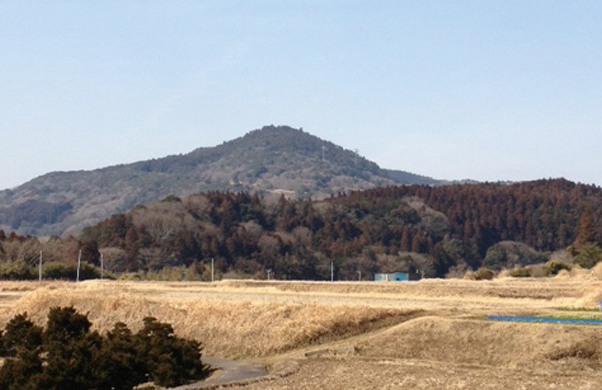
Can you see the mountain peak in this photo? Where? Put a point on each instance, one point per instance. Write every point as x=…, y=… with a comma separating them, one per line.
x=281, y=138
x=273, y=159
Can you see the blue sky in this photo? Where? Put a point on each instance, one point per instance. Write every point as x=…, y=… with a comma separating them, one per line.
x=486, y=90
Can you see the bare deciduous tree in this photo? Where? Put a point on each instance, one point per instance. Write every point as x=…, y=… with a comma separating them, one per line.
x=115, y=259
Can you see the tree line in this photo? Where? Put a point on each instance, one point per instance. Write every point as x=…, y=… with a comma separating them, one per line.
x=430, y=230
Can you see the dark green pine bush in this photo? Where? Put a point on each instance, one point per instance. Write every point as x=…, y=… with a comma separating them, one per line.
x=66, y=355
x=20, y=333
x=167, y=358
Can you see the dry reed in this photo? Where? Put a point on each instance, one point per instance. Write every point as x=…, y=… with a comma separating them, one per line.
x=487, y=343
x=226, y=328
x=254, y=318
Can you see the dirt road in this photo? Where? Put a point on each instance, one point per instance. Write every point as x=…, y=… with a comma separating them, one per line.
x=231, y=371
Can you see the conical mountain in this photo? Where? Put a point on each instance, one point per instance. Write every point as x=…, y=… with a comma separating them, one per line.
x=271, y=160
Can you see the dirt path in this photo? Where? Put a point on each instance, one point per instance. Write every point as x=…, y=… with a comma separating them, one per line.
x=232, y=371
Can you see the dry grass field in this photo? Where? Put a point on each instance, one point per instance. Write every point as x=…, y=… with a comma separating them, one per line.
x=429, y=334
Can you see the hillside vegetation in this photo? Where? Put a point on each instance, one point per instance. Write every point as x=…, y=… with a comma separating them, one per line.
x=431, y=231
x=269, y=160
x=426, y=230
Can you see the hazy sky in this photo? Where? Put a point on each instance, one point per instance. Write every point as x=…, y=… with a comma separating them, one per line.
x=487, y=90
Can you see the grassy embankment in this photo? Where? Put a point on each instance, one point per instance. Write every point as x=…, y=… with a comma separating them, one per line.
x=434, y=320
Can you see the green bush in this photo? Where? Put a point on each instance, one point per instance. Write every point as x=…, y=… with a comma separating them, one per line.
x=167, y=357
x=120, y=360
x=175, y=273
x=131, y=276
x=556, y=266
x=20, y=333
x=65, y=324
x=588, y=255
x=520, y=272
x=18, y=270
x=63, y=271
x=512, y=254
x=67, y=355
x=484, y=274
x=22, y=373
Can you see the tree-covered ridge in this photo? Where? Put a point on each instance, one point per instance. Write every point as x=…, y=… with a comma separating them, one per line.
x=273, y=159
x=543, y=214
x=429, y=230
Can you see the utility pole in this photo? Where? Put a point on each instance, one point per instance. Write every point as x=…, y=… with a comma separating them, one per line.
x=359, y=278
x=332, y=271
x=79, y=262
x=212, y=271
x=40, y=267
x=102, y=266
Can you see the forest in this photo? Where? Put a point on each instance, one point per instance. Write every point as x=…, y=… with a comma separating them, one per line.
x=431, y=230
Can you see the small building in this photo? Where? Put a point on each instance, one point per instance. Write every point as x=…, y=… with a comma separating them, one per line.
x=394, y=277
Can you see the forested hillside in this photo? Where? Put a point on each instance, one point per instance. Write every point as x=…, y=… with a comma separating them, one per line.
x=428, y=230
x=271, y=160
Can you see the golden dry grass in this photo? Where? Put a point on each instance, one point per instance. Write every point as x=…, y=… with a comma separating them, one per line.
x=392, y=374
x=440, y=324
x=488, y=343
x=226, y=328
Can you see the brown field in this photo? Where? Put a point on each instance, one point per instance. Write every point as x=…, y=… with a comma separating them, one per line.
x=359, y=335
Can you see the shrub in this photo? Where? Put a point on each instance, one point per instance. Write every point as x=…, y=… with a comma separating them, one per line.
x=18, y=270
x=67, y=355
x=65, y=324
x=510, y=254
x=22, y=373
x=71, y=363
x=167, y=357
x=456, y=272
x=589, y=255
x=62, y=271
x=20, y=333
x=484, y=274
x=54, y=270
x=539, y=271
x=520, y=272
x=554, y=267
x=120, y=362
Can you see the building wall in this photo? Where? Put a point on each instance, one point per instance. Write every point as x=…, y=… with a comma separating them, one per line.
x=391, y=277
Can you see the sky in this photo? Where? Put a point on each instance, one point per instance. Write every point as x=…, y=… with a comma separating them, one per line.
x=483, y=90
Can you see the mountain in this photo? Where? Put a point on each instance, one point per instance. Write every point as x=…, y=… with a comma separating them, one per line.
x=271, y=160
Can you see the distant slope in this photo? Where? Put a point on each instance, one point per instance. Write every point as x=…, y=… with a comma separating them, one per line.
x=402, y=177
x=268, y=160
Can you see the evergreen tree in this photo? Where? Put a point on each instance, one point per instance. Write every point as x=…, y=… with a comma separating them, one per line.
x=586, y=234
x=167, y=357
x=20, y=334
x=67, y=355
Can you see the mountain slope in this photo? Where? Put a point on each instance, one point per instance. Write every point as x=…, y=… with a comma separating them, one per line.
x=269, y=160
x=402, y=177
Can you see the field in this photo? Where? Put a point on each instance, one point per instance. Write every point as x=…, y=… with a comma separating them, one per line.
x=429, y=334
